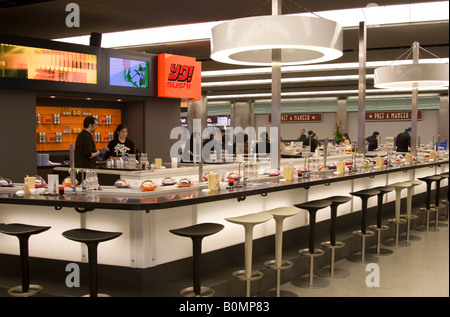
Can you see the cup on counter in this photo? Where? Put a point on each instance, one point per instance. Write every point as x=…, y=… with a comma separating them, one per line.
x=158, y=163
x=213, y=181
x=379, y=162
x=288, y=172
x=174, y=161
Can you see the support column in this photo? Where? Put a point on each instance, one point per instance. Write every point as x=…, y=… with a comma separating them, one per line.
x=443, y=118
x=198, y=110
x=414, y=103
x=362, y=87
x=242, y=114
x=276, y=97
x=341, y=114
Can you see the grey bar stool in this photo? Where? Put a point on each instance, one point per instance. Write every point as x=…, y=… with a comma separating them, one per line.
x=197, y=233
x=23, y=233
x=395, y=242
x=445, y=201
x=437, y=201
x=249, y=221
x=333, y=272
x=428, y=207
x=310, y=282
x=91, y=238
x=409, y=216
x=379, y=227
x=278, y=264
x=364, y=233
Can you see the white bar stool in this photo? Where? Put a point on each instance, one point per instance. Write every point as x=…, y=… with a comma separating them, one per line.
x=249, y=221
x=408, y=216
x=397, y=220
x=279, y=214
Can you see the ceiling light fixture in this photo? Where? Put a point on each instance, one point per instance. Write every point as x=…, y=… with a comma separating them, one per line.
x=413, y=75
x=301, y=39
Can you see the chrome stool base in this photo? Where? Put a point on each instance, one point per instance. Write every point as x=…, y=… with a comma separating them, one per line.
x=337, y=273
x=204, y=292
x=98, y=295
x=332, y=272
x=311, y=281
x=32, y=290
x=378, y=250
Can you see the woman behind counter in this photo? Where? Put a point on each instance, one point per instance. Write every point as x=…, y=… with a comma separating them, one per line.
x=121, y=145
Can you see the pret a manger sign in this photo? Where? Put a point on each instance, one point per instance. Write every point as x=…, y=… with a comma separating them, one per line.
x=179, y=77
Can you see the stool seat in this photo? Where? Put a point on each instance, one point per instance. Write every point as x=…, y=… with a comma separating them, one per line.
x=283, y=212
x=23, y=233
x=366, y=193
x=197, y=232
x=90, y=236
x=250, y=219
x=200, y=230
x=402, y=185
x=385, y=189
x=20, y=229
x=314, y=204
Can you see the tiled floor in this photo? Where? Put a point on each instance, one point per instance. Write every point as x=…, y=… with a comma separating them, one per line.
x=420, y=270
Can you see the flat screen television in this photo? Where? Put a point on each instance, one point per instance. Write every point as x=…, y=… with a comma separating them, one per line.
x=128, y=72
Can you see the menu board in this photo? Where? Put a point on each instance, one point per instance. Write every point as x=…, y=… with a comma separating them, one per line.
x=17, y=61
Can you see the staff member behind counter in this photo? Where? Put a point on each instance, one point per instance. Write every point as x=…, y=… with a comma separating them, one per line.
x=403, y=141
x=120, y=145
x=85, y=151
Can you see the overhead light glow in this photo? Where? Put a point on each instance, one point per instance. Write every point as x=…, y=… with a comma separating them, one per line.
x=348, y=18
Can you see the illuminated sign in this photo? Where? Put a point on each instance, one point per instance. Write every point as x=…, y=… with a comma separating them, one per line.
x=179, y=77
x=47, y=64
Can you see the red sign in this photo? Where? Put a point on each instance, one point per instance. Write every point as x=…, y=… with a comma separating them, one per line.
x=300, y=117
x=391, y=115
x=179, y=77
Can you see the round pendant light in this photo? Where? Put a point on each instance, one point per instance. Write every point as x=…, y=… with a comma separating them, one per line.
x=302, y=40
x=411, y=76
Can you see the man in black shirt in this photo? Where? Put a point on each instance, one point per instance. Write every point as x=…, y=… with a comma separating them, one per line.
x=302, y=137
x=85, y=151
x=373, y=141
x=403, y=141
x=314, y=142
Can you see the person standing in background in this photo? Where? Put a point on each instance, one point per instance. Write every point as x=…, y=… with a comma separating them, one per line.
x=373, y=141
x=302, y=137
x=403, y=141
x=85, y=151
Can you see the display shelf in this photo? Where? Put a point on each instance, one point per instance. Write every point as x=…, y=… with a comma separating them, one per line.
x=59, y=132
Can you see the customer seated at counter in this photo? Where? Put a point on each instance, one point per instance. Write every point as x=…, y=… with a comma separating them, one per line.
x=121, y=144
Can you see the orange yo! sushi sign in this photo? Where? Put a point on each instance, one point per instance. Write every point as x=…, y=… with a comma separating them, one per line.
x=179, y=77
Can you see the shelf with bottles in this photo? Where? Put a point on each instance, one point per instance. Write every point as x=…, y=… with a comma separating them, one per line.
x=57, y=127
